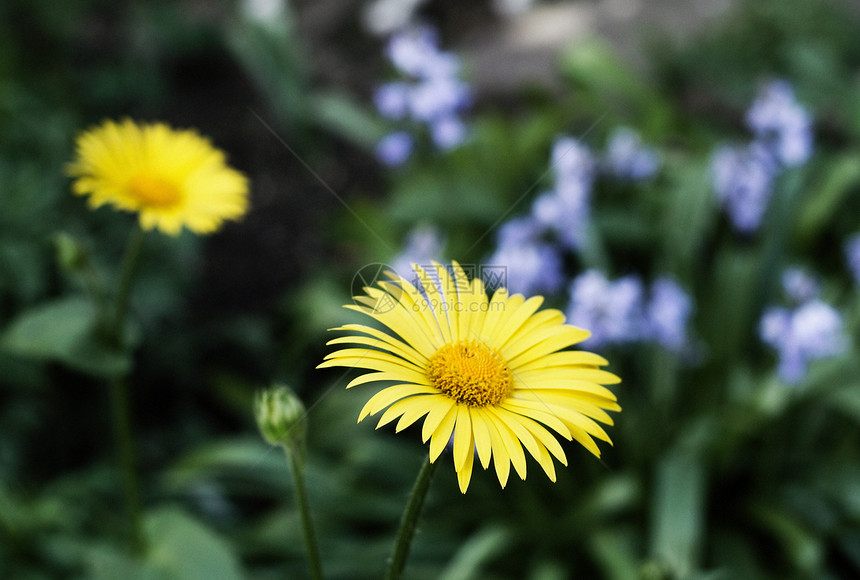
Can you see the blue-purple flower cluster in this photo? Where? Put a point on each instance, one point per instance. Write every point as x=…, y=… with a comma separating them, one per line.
x=744, y=175
x=627, y=158
x=533, y=247
x=429, y=94
x=808, y=330
x=621, y=312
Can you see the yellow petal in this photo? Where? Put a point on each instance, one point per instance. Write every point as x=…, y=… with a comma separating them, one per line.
x=382, y=376
x=436, y=302
x=538, y=411
x=543, y=437
x=452, y=300
x=514, y=321
x=527, y=321
x=481, y=433
x=569, y=357
x=562, y=374
x=521, y=433
x=501, y=456
x=414, y=410
x=562, y=337
x=440, y=406
x=464, y=474
x=395, y=410
x=539, y=325
x=462, y=437
x=512, y=443
x=562, y=386
x=442, y=435
x=389, y=395
x=546, y=463
x=382, y=341
x=416, y=303
x=496, y=313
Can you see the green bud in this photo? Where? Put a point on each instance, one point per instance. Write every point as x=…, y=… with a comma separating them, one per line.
x=281, y=417
x=71, y=254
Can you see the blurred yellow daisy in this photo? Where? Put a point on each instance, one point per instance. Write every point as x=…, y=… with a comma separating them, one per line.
x=171, y=178
x=494, y=372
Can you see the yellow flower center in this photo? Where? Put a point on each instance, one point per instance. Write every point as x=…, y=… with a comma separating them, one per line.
x=154, y=191
x=471, y=373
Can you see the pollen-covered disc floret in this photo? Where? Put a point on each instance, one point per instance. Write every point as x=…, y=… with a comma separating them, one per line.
x=471, y=373
x=170, y=178
x=494, y=375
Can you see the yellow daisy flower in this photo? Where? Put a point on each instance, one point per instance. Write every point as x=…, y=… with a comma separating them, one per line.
x=170, y=178
x=494, y=372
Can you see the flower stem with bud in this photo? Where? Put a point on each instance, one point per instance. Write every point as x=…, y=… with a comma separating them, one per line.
x=281, y=418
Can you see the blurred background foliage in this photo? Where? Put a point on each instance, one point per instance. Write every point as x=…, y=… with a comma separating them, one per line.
x=718, y=470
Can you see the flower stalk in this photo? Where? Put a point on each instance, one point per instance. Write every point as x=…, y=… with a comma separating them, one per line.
x=409, y=521
x=308, y=535
x=120, y=407
x=282, y=420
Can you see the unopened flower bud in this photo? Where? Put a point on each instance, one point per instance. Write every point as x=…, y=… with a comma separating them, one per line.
x=71, y=254
x=281, y=417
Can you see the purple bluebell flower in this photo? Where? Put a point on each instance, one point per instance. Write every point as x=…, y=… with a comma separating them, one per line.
x=852, y=254
x=667, y=313
x=627, y=158
x=414, y=50
x=430, y=93
x=810, y=332
x=799, y=285
x=564, y=210
x=517, y=231
x=437, y=97
x=571, y=160
x=392, y=99
x=530, y=264
x=530, y=268
x=395, y=148
x=783, y=125
x=447, y=132
x=743, y=180
x=565, y=215
x=612, y=311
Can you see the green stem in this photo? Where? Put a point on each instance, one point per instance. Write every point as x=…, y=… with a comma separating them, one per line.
x=409, y=521
x=130, y=260
x=297, y=468
x=120, y=409
x=126, y=459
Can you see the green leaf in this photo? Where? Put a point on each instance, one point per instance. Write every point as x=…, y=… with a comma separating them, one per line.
x=800, y=545
x=690, y=214
x=841, y=177
x=477, y=550
x=615, y=552
x=63, y=330
x=348, y=119
x=108, y=563
x=678, y=510
x=50, y=330
x=182, y=548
